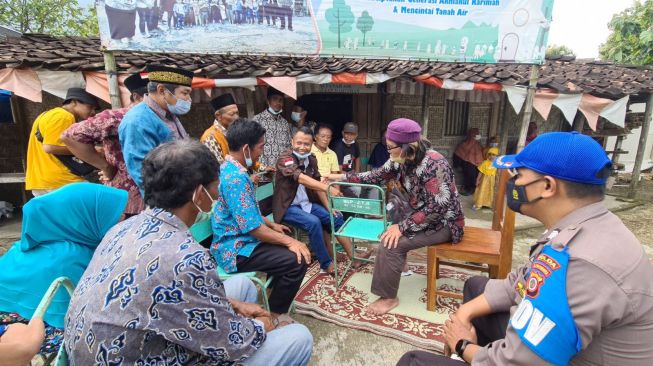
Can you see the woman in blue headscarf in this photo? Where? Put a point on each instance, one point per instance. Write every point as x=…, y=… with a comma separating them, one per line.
x=59, y=234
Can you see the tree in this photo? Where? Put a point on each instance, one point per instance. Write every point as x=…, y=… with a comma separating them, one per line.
x=559, y=50
x=631, y=40
x=365, y=24
x=55, y=17
x=340, y=18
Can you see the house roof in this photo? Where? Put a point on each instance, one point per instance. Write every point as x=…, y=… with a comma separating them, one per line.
x=563, y=74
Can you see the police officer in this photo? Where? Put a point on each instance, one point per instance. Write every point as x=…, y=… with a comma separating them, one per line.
x=585, y=297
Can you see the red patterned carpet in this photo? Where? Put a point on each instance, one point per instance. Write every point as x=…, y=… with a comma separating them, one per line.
x=410, y=322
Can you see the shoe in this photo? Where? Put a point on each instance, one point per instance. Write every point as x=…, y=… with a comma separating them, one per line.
x=407, y=273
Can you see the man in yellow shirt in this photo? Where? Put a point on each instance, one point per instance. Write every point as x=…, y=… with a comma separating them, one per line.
x=327, y=160
x=45, y=171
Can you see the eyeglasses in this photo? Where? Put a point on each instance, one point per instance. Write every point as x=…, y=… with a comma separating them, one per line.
x=392, y=148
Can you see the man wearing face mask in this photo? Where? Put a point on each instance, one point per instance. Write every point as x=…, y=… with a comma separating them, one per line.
x=243, y=239
x=278, y=130
x=298, y=116
x=431, y=213
x=586, y=295
x=155, y=121
x=300, y=198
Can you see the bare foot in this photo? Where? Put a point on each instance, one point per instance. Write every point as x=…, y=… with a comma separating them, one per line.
x=382, y=306
x=358, y=264
x=330, y=270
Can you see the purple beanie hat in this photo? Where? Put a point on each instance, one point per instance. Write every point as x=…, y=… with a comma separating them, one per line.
x=403, y=131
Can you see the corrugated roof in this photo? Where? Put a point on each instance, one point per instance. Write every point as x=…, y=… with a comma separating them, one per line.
x=564, y=74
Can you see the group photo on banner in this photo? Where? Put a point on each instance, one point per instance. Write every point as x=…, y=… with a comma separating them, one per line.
x=486, y=31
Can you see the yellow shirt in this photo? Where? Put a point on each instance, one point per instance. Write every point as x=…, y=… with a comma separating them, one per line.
x=327, y=161
x=45, y=171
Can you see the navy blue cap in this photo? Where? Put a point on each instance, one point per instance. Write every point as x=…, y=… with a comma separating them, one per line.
x=568, y=156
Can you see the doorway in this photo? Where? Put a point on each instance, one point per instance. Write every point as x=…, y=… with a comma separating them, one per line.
x=332, y=109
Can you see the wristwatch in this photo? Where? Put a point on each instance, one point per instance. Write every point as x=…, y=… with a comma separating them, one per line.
x=460, y=347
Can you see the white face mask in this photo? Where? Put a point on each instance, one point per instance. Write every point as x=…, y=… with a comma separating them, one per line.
x=296, y=116
x=198, y=206
x=477, y=137
x=248, y=160
x=399, y=159
x=273, y=111
x=348, y=142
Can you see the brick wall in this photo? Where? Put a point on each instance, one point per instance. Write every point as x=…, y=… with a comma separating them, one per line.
x=410, y=106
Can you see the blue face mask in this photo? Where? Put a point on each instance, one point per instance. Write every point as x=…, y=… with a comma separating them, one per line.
x=273, y=111
x=180, y=107
x=248, y=160
x=301, y=156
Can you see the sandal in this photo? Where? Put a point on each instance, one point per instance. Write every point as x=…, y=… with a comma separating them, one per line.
x=284, y=319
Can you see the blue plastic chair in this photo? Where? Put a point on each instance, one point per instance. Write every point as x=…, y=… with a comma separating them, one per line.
x=356, y=227
x=202, y=230
x=61, y=358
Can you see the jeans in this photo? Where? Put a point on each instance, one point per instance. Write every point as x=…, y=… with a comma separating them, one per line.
x=313, y=223
x=290, y=345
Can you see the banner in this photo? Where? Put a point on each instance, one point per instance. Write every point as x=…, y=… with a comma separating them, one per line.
x=485, y=31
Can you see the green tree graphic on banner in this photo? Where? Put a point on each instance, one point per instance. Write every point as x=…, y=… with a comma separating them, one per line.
x=340, y=18
x=365, y=23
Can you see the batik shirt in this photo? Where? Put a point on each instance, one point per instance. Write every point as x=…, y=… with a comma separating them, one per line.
x=278, y=133
x=151, y=296
x=215, y=139
x=102, y=130
x=431, y=191
x=235, y=215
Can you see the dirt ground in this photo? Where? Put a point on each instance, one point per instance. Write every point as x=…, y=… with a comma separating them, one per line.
x=338, y=345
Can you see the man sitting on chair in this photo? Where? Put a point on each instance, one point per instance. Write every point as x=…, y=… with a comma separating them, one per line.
x=243, y=239
x=300, y=198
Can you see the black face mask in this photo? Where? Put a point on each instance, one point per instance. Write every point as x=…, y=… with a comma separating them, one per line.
x=516, y=195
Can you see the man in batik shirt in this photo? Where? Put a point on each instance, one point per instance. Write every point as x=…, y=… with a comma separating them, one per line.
x=102, y=130
x=278, y=130
x=151, y=295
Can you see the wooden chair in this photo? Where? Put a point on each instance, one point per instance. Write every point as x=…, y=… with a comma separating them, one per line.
x=492, y=247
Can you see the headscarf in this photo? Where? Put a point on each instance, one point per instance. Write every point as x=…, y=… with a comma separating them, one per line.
x=60, y=231
x=486, y=166
x=470, y=150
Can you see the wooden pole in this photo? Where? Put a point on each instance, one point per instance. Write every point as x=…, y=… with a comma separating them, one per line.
x=112, y=79
x=504, y=133
x=425, y=111
x=643, y=136
x=528, y=107
x=250, y=105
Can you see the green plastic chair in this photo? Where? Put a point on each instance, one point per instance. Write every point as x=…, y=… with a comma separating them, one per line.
x=356, y=227
x=61, y=358
x=202, y=230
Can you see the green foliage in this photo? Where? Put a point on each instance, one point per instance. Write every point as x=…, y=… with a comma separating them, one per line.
x=631, y=40
x=365, y=23
x=55, y=17
x=340, y=18
x=559, y=50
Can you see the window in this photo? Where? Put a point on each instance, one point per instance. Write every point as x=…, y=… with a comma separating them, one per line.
x=5, y=107
x=456, y=115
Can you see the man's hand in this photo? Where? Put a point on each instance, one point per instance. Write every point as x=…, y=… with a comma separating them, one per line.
x=300, y=250
x=248, y=309
x=270, y=169
x=107, y=174
x=23, y=341
x=283, y=229
x=455, y=330
x=335, y=177
x=269, y=323
x=390, y=238
x=335, y=192
x=255, y=178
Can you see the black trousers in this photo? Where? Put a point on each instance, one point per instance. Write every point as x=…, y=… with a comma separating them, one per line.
x=470, y=173
x=488, y=329
x=277, y=261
